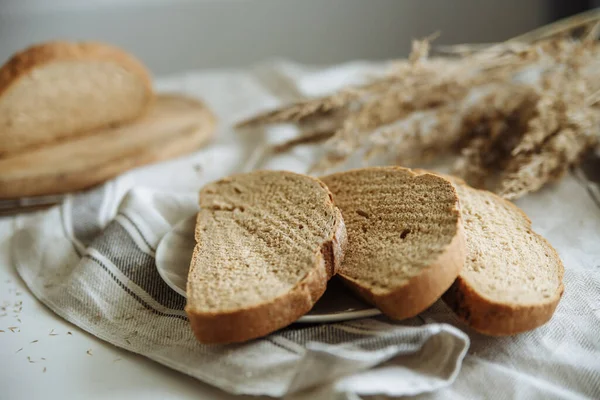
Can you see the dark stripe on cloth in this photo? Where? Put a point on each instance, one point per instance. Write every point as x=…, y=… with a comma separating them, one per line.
x=129, y=292
x=85, y=214
x=120, y=248
x=138, y=230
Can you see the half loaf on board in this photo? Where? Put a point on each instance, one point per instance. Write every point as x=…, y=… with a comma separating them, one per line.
x=267, y=243
x=512, y=279
x=56, y=90
x=405, y=238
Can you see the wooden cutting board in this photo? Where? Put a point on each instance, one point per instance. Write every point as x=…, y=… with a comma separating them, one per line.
x=175, y=125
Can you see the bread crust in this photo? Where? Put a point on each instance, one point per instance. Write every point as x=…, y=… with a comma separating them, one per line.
x=502, y=319
x=497, y=319
x=260, y=320
x=490, y=317
x=20, y=64
x=424, y=289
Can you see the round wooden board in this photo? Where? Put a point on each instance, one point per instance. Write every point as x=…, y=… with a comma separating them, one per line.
x=175, y=125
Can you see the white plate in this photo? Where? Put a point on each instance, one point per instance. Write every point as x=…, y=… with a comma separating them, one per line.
x=174, y=253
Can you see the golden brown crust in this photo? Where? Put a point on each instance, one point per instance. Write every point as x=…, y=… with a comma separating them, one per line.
x=488, y=316
x=451, y=178
x=422, y=290
x=333, y=250
x=497, y=319
x=251, y=323
x=24, y=61
x=254, y=322
x=502, y=319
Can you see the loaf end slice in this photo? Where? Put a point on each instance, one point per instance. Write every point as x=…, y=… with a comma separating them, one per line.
x=405, y=237
x=55, y=90
x=267, y=243
x=512, y=280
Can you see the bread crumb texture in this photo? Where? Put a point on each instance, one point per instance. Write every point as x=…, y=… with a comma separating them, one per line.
x=398, y=224
x=507, y=262
x=258, y=235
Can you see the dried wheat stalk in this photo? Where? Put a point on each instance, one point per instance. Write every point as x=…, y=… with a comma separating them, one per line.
x=517, y=113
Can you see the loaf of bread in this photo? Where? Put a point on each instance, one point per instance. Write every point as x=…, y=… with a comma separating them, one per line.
x=56, y=90
x=267, y=243
x=405, y=237
x=173, y=126
x=512, y=279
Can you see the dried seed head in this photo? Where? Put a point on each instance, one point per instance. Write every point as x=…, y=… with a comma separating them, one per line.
x=523, y=112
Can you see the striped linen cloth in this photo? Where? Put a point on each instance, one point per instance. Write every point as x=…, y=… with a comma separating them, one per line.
x=93, y=264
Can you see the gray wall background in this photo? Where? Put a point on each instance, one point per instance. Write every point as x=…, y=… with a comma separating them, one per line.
x=176, y=35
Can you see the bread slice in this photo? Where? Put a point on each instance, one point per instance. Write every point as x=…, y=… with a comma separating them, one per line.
x=405, y=238
x=174, y=125
x=512, y=280
x=56, y=90
x=267, y=243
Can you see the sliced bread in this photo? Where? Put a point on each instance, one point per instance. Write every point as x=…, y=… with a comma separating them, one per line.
x=405, y=238
x=173, y=126
x=512, y=279
x=56, y=90
x=267, y=243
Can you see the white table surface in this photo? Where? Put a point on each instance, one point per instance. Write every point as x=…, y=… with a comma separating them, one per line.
x=70, y=372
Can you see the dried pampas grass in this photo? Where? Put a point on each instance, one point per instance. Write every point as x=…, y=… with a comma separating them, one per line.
x=517, y=115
